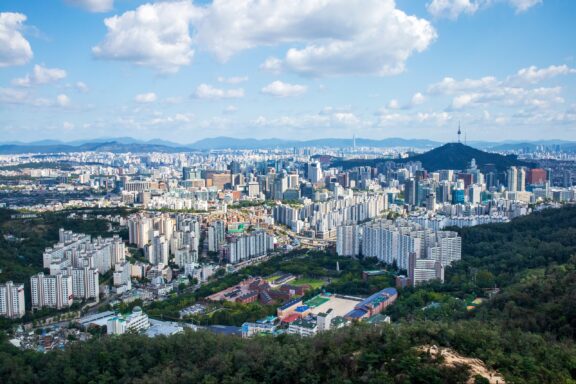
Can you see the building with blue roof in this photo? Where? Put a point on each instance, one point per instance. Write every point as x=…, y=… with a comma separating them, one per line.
x=374, y=304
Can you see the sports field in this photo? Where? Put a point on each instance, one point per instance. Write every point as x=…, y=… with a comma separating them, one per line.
x=317, y=301
x=339, y=305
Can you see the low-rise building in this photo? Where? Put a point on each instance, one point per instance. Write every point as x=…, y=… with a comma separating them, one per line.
x=136, y=321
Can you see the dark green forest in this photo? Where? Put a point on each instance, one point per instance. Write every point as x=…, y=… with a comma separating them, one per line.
x=23, y=240
x=526, y=331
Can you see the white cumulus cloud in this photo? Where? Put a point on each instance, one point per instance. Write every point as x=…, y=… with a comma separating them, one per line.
x=154, y=35
x=272, y=64
x=452, y=9
x=205, y=91
x=81, y=86
x=417, y=99
x=534, y=74
x=41, y=75
x=321, y=36
x=149, y=97
x=62, y=100
x=232, y=79
x=14, y=48
x=394, y=104
x=93, y=5
x=337, y=36
x=523, y=5
x=281, y=89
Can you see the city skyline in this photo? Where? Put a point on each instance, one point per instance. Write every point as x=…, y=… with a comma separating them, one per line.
x=183, y=71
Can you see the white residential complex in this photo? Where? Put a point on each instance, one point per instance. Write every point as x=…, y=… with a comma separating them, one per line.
x=12, y=304
x=79, y=251
x=247, y=246
x=51, y=291
x=324, y=217
x=347, y=240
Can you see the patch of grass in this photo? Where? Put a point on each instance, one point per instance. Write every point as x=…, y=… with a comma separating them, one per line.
x=314, y=283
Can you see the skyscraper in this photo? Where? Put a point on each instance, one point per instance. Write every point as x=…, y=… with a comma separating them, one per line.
x=411, y=192
x=512, y=179
x=521, y=181
x=314, y=172
x=431, y=202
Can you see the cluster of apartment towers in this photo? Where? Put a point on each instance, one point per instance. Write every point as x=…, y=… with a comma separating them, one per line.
x=161, y=236
x=423, y=252
x=75, y=263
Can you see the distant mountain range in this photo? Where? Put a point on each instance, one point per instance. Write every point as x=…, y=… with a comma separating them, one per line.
x=129, y=144
x=113, y=146
x=448, y=156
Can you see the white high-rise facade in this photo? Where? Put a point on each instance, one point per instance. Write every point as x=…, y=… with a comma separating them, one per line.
x=347, y=240
x=248, y=246
x=52, y=291
x=512, y=178
x=315, y=172
x=216, y=233
x=85, y=283
x=12, y=304
x=394, y=242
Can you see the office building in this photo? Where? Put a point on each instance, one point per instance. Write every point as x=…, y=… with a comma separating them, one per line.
x=314, y=172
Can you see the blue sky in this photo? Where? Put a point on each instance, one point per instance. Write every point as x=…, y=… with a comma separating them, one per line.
x=185, y=70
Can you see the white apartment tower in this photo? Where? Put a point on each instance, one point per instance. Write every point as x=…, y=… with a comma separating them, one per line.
x=52, y=291
x=85, y=283
x=12, y=304
x=347, y=240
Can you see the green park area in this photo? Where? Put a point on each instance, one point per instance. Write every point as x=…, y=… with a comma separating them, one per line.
x=314, y=283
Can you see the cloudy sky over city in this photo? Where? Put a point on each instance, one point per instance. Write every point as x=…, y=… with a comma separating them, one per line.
x=295, y=69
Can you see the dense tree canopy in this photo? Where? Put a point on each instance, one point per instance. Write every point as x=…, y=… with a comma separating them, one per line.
x=526, y=331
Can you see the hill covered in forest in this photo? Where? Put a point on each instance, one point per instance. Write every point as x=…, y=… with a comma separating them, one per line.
x=526, y=331
x=448, y=156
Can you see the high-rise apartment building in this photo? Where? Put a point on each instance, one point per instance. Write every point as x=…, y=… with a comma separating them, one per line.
x=51, y=291
x=248, y=246
x=347, y=240
x=85, y=283
x=12, y=304
x=512, y=179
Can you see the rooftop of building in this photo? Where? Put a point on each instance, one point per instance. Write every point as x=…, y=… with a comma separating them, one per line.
x=356, y=313
x=291, y=303
x=378, y=297
x=305, y=323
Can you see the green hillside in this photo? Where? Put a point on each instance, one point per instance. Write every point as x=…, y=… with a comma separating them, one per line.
x=526, y=332
x=448, y=156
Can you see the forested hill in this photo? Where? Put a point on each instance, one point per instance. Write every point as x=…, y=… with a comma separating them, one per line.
x=448, y=156
x=526, y=332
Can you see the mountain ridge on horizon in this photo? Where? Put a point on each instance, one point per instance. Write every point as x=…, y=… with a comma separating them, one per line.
x=226, y=142
x=447, y=156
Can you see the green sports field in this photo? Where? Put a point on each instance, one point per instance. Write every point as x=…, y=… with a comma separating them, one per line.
x=316, y=301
